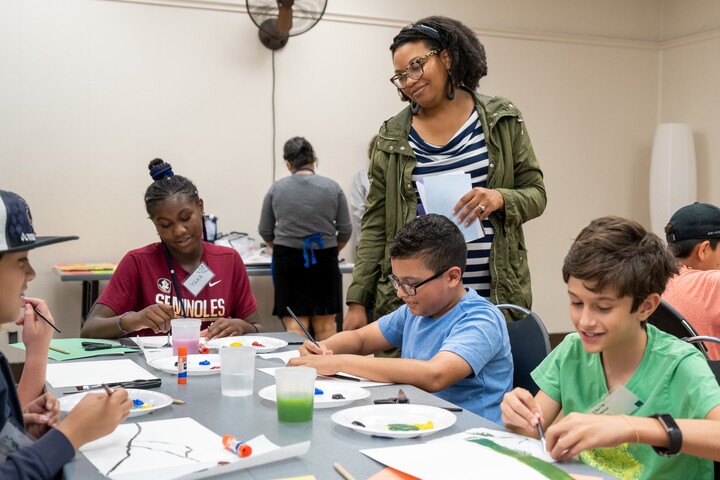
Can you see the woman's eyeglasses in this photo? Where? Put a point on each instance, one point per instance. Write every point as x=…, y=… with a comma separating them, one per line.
x=411, y=289
x=414, y=70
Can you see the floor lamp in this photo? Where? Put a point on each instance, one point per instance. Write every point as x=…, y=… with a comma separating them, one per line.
x=673, y=181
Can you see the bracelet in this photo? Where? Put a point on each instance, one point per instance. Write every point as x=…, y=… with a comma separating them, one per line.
x=637, y=435
x=255, y=327
x=120, y=327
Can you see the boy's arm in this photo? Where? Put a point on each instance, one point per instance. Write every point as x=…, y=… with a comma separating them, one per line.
x=441, y=371
x=578, y=432
x=364, y=341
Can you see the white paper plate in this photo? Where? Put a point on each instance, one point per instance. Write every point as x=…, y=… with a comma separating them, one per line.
x=152, y=342
x=350, y=392
x=167, y=364
x=376, y=418
x=269, y=344
x=156, y=399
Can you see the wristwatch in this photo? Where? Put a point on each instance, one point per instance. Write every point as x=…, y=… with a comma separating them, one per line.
x=674, y=434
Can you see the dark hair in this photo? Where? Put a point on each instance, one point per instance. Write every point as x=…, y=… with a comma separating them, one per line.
x=166, y=184
x=617, y=253
x=683, y=248
x=469, y=63
x=298, y=152
x=433, y=238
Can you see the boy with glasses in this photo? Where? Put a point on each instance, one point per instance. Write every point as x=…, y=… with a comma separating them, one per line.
x=454, y=343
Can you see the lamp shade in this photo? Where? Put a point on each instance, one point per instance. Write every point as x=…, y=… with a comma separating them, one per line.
x=673, y=178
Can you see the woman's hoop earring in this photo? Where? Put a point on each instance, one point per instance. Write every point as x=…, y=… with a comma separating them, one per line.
x=449, y=87
x=414, y=107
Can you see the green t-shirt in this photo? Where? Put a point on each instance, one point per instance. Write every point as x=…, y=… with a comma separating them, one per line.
x=673, y=377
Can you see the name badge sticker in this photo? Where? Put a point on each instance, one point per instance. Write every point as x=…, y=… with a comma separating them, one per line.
x=620, y=401
x=198, y=279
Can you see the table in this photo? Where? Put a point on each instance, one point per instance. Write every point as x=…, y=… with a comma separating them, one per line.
x=251, y=416
x=91, y=281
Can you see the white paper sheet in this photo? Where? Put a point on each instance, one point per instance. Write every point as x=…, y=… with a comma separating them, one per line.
x=175, y=448
x=363, y=383
x=70, y=374
x=443, y=192
x=513, y=441
x=460, y=456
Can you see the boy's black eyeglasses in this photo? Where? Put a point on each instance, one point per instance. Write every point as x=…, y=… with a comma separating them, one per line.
x=412, y=289
x=413, y=70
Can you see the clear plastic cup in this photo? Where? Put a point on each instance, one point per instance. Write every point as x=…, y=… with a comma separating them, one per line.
x=295, y=393
x=237, y=371
x=185, y=331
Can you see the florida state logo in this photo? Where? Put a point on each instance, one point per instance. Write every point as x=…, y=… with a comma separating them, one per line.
x=163, y=284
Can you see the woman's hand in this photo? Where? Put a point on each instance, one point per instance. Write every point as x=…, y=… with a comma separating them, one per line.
x=582, y=431
x=478, y=203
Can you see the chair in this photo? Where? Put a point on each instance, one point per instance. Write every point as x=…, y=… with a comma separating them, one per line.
x=669, y=320
x=530, y=344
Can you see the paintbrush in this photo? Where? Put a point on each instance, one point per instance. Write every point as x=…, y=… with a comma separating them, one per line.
x=43, y=316
x=305, y=331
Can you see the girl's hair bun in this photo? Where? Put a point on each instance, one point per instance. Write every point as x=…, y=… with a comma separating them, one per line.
x=160, y=169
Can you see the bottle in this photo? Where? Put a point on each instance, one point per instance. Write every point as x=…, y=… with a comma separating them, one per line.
x=182, y=365
x=242, y=449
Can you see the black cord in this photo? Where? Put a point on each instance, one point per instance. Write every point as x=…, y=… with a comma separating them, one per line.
x=273, y=116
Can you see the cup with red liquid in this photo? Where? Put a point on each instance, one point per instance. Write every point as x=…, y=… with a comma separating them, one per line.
x=185, y=331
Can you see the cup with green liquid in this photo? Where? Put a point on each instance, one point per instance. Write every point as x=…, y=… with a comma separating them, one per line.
x=295, y=393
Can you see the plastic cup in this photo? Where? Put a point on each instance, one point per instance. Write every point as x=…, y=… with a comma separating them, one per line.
x=237, y=371
x=185, y=331
x=295, y=393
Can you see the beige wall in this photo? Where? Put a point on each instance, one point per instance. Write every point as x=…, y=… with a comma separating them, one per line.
x=92, y=90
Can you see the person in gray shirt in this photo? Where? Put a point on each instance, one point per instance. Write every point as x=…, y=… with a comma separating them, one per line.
x=305, y=220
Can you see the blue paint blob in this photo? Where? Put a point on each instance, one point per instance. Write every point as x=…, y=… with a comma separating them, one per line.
x=318, y=391
x=138, y=403
x=205, y=362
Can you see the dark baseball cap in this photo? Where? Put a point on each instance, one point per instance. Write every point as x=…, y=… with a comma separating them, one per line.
x=17, y=226
x=698, y=221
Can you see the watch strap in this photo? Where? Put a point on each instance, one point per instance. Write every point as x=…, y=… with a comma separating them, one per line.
x=673, y=432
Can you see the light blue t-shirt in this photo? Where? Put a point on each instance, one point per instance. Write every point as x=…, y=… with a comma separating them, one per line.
x=475, y=330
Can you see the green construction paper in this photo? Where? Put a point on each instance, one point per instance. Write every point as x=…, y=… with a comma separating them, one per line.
x=547, y=469
x=74, y=346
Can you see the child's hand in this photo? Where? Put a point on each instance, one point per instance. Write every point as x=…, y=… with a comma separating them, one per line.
x=324, y=364
x=156, y=316
x=95, y=416
x=309, y=348
x=41, y=414
x=581, y=431
x=36, y=334
x=521, y=412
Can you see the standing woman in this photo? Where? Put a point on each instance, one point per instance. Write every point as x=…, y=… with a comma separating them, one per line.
x=179, y=276
x=448, y=127
x=305, y=220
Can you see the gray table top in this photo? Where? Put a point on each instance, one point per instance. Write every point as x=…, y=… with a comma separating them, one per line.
x=251, y=416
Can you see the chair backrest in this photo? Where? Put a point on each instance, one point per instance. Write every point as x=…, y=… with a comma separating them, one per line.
x=530, y=344
x=669, y=320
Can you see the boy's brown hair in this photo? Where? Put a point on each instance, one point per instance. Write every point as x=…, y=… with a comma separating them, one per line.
x=617, y=253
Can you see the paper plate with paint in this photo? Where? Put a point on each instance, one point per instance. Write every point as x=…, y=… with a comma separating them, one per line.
x=395, y=421
x=196, y=364
x=328, y=394
x=260, y=344
x=144, y=401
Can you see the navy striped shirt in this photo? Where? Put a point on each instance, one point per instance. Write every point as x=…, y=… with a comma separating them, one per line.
x=466, y=152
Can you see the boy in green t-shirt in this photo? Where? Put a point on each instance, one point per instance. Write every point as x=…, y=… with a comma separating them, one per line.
x=616, y=372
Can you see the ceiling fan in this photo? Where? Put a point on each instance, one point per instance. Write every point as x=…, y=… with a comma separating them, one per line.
x=278, y=20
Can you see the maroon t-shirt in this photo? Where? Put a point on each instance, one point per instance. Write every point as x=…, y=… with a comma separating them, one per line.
x=142, y=278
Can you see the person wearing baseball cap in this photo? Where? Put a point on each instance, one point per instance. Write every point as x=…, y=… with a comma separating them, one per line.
x=33, y=444
x=693, y=234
